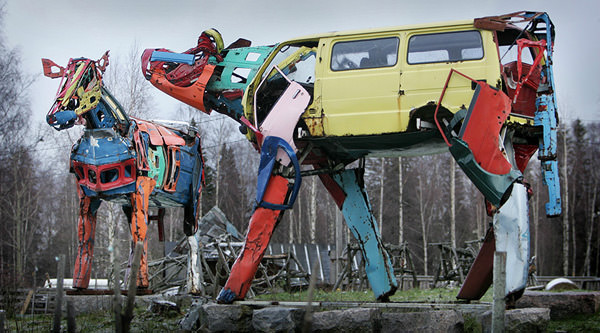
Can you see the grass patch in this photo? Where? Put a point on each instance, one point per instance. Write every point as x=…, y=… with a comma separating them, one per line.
x=576, y=323
x=437, y=295
x=99, y=321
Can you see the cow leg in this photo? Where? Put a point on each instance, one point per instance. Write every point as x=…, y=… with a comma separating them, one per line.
x=347, y=189
x=260, y=229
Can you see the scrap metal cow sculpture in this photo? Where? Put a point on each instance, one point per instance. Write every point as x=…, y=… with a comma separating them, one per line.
x=135, y=162
x=328, y=100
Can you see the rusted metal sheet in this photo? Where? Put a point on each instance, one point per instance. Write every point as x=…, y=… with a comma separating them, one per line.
x=479, y=278
x=511, y=230
x=500, y=22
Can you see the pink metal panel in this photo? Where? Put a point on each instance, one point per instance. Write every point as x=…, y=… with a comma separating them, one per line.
x=284, y=116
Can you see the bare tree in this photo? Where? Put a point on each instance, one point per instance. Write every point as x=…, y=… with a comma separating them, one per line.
x=129, y=87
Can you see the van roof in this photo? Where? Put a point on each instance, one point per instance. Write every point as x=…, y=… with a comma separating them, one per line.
x=463, y=23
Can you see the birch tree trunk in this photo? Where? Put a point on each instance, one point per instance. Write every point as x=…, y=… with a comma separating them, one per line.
x=573, y=231
x=535, y=209
x=588, y=249
x=382, y=182
x=291, y=228
x=313, y=211
x=112, y=274
x=299, y=223
x=423, y=225
x=453, y=204
x=400, y=207
x=565, y=243
x=480, y=217
x=218, y=173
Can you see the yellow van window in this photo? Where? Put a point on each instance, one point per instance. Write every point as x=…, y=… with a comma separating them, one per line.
x=367, y=53
x=445, y=47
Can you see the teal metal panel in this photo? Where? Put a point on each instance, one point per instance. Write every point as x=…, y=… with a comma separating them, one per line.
x=359, y=218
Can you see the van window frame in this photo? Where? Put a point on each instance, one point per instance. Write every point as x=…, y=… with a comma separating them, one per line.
x=397, y=48
x=408, y=48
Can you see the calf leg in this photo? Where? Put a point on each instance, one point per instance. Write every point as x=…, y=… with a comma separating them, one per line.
x=86, y=228
x=194, y=268
x=139, y=224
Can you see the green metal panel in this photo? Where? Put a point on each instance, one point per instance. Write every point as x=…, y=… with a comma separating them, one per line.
x=492, y=186
x=158, y=164
x=243, y=61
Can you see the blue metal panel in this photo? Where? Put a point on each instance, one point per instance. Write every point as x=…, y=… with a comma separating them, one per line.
x=359, y=217
x=270, y=147
x=182, y=58
x=101, y=146
x=186, y=172
x=101, y=116
x=110, y=194
x=545, y=116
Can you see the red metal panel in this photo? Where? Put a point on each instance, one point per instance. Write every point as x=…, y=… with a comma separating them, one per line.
x=259, y=233
x=82, y=171
x=483, y=125
x=523, y=154
x=173, y=169
x=139, y=222
x=192, y=95
x=480, y=275
x=337, y=193
x=524, y=103
x=86, y=230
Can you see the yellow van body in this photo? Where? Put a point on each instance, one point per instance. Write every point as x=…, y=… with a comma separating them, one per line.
x=358, y=102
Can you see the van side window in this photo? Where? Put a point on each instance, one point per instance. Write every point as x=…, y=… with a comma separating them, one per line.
x=368, y=53
x=445, y=47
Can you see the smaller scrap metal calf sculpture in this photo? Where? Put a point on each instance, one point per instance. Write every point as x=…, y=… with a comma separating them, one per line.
x=135, y=162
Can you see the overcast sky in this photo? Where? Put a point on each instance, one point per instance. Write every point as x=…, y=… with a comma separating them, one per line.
x=61, y=29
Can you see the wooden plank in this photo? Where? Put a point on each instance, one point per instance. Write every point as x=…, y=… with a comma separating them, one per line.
x=26, y=303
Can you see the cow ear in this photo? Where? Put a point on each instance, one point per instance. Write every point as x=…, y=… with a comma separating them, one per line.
x=102, y=62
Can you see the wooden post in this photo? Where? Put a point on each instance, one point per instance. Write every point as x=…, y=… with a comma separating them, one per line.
x=71, y=324
x=116, y=293
x=308, y=318
x=59, y=293
x=2, y=316
x=132, y=287
x=26, y=303
x=499, y=304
